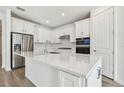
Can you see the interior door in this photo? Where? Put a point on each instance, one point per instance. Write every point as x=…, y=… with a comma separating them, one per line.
x=103, y=39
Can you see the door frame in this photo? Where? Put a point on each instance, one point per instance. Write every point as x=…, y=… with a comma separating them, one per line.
x=115, y=46
x=2, y=40
x=93, y=14
x=1, y=43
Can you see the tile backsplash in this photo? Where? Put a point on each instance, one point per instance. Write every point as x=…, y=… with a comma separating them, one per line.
x=64, y=44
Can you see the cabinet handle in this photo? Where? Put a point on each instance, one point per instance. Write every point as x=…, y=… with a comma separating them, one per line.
x=82, y=33
x=99, y=72
x=94, y=50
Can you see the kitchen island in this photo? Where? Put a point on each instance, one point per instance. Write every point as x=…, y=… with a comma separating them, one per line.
x=64, y=70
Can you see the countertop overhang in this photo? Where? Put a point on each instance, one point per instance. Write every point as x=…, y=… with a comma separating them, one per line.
x=76, y=64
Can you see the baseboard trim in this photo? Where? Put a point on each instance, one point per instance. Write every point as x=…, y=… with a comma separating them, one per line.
x=9, y=69
x=108, y=75
x=119, y=81
x=2, y=67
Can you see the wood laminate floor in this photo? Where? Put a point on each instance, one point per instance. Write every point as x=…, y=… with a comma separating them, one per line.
x=0, y=61
x=16, y=78
x=106, y=82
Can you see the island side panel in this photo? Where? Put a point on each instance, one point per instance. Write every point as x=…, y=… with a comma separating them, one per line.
x=95, y=77
x=41, y=75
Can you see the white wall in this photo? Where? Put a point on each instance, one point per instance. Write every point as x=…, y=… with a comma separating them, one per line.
x=119, y=27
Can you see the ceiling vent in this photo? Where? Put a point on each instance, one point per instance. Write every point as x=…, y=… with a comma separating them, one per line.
x=20, y=9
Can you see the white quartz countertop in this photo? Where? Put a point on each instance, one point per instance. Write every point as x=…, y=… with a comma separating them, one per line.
x=77, y=64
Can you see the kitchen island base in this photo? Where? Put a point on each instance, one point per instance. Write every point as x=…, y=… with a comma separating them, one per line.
x=45, y=75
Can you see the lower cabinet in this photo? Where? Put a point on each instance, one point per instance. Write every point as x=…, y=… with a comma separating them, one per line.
x=68, y=80
x=92, y=79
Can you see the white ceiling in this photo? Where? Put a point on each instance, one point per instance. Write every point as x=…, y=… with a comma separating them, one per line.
x=53, y=14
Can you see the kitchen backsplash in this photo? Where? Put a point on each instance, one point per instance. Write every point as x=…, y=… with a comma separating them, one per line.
x=63, y=44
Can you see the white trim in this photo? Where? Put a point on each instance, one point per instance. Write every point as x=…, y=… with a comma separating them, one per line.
x=2, y=18
x=8, y=30
x=2, y=66
x=8, y=69
x=100, y=10
x=119, y=81
x=115, y=43
x=116, y=49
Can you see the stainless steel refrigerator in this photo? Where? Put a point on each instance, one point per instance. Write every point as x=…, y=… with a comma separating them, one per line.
x=20, y=43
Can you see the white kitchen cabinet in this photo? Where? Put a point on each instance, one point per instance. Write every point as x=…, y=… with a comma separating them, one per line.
x=29, y=28
x=89, y=74
x=82, y=28
x=36, y=34
x=17, y=25
x=39, y=34
x=21, y=26
x=93, y=78
x=72, y=34
x=49, y=36
x=56, y=35
x=42, y=34
x=65, y=30
x=68, y=80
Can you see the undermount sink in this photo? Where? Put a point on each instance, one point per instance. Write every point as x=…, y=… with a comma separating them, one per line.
x=54, y=52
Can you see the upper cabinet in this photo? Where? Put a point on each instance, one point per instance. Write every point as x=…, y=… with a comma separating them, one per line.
x=36, y=34
x=21, y=26
x=42, y=34
x=64, y=30
x=82, y=28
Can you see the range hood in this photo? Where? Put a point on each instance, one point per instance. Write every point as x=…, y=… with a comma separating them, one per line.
x=64, y=37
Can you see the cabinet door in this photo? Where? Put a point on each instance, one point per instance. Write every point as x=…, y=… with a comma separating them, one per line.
x=86, y=30
x=17, y=25
x=82, y=28
x=29, y=28
x=36, y=34
x=78, y=30
x=68, y=80
x=22, y=26
x=14, y=25
x=42, y=37
x=56, y=36
x=72, y=34
x=49, y=36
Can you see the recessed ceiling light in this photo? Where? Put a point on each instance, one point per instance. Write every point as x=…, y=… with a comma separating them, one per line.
x=47, y=21
x=63, y=14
